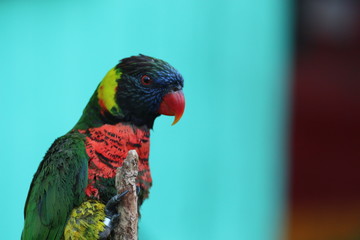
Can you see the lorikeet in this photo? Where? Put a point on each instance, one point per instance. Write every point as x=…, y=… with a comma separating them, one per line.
x=75, y=180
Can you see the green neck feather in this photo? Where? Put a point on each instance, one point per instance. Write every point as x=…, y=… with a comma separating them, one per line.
x=102, y=107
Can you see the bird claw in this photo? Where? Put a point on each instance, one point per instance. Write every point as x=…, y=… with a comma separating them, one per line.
x=138, y=190
x=112, y=216
x=112, y=204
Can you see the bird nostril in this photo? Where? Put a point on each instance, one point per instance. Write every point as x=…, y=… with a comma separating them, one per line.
x=176, y=89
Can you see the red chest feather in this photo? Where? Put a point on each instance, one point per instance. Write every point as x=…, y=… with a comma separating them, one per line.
x=107, y=147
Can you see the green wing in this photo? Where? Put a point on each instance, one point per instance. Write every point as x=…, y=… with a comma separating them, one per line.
x=57, y=187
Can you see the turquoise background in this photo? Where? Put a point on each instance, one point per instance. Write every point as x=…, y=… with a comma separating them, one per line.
x=219, y=173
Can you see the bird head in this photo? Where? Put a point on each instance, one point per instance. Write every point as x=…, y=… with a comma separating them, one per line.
x=140, y=88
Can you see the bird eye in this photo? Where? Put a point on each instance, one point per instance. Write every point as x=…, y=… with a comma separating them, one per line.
x=146, y=80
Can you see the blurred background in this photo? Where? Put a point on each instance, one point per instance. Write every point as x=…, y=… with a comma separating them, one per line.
x=325, y=156
x=268, y=145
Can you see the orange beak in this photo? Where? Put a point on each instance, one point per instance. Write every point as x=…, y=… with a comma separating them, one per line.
x=173, y=104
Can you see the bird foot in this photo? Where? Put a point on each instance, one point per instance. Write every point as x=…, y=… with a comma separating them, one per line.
x=112, y=216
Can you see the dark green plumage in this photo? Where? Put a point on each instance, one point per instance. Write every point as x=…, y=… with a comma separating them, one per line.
x=58, y=186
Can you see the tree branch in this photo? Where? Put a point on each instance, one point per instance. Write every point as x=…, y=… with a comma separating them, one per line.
x=128, y=207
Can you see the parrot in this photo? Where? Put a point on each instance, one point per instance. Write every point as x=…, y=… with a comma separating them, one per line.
x=72, y=193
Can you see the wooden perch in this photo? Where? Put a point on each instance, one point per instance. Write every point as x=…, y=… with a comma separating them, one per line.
x=128, y=207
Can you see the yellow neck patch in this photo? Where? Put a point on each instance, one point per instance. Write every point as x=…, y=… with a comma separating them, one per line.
x=107, y=91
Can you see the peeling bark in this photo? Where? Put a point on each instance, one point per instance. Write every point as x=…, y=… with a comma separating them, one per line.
x=128, y=209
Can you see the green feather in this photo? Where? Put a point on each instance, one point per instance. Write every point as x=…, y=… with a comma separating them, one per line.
x=57, y=187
